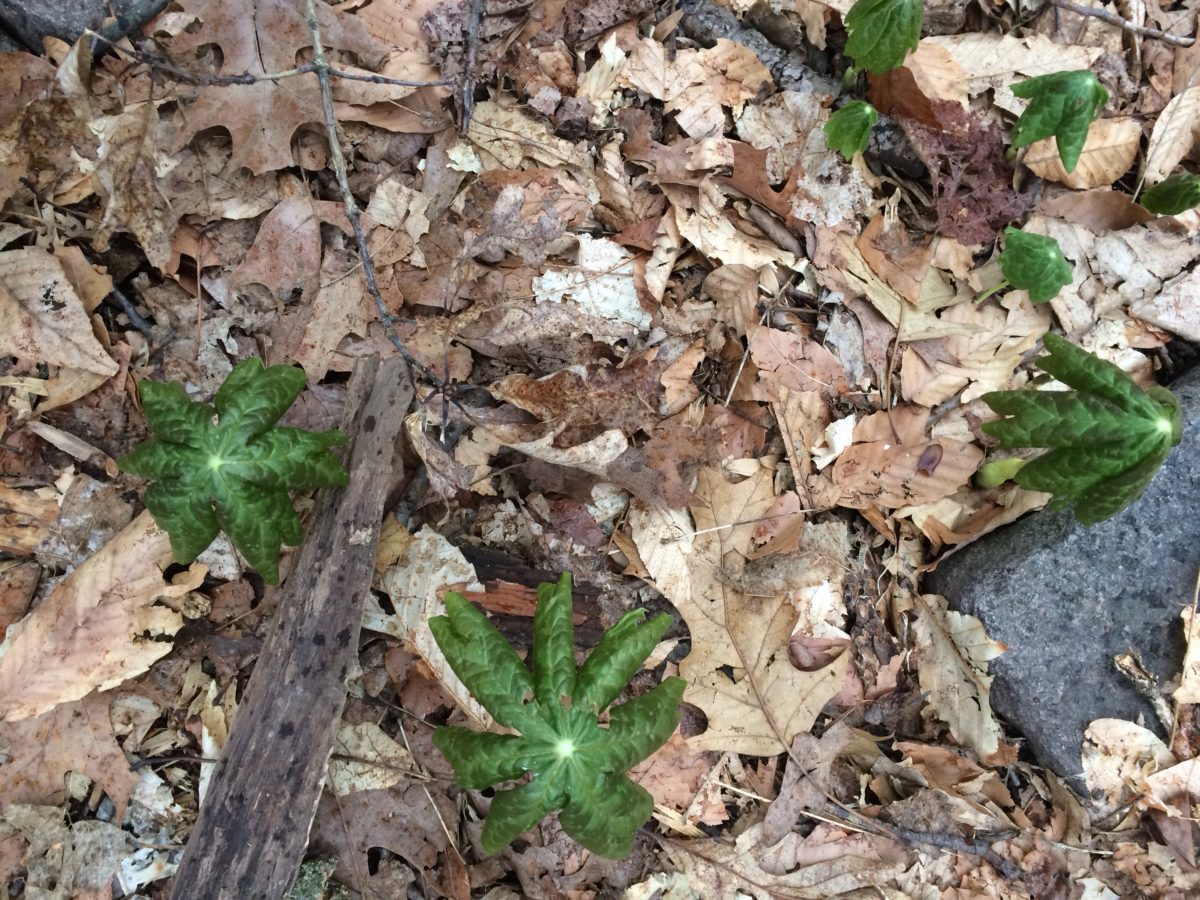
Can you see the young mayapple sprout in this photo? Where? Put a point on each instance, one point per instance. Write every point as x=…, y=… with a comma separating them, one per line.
x=232, y=475
x=564, y=758
x=1105, y=439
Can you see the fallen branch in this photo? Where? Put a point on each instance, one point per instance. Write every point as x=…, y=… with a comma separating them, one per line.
x=1113, y=19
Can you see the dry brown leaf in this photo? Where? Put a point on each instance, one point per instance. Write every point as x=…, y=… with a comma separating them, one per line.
x=414, y=570
x=1173, y=136
x=674, y=775
x=793, y=361
x=1189, y=679
x=952, y=655
x=74, y=737
x=767, y=701
x=44, y=317
x=1108, y=153
x=90, y=633
x=700, y=217
x=26, y=516
x=697, y=84
x=262, y=38
x=1116, y=758
x=828, y=862
x=1175, y=308
x=993, y=61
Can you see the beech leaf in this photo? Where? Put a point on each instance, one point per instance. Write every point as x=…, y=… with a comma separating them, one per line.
x=883, y=32
x=849, y=128
x=1106, y=438
x=1173, y=195
x=574, y=763
x=1034, y=263
x=1062, y=105
x=233, y=476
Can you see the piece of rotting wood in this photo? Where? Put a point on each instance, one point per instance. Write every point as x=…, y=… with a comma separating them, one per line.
x=253, y=827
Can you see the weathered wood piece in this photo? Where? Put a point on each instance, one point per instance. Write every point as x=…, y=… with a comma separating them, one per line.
x=254, y=823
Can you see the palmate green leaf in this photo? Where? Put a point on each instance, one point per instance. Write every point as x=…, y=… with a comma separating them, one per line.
x=1034, y=263
x=849, y=128
x=1062, y=105
x=1173, y=195
x=571, y=762
x=1106, y=438
x=232, y=475
x=883, y=32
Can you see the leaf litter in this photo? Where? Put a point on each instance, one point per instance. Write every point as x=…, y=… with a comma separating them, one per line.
x=708, y=365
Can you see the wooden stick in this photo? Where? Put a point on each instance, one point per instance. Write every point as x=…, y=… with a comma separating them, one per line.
x=1113, y=19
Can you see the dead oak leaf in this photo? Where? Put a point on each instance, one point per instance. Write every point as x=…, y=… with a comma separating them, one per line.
x=73, y=737
x=898, y=470
x=44, y=318
x=90, y=632
x=260, y=38
x=698, y=84
x=738, y=671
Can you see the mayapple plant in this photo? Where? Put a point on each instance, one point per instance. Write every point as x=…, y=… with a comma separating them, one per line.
x=1106, y=438
x=226, y=468
x=563, y=756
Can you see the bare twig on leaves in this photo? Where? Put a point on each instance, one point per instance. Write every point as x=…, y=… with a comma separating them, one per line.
x=1113, y=19
x=320, y=66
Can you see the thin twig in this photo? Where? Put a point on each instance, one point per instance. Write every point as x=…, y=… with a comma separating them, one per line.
x=126, y=306
x=467, y=94
x=243, y=78
x=321, y=67
x=1113, y=19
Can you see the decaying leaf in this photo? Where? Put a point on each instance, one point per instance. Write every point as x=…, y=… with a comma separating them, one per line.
x=93, y=624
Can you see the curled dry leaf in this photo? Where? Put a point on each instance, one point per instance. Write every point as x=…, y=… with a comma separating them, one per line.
x=1173, y=136
x=414, y=570
x=952, y=655
x=90, y=633
x=44, y=318
x=738, y=671
x=1108, y=153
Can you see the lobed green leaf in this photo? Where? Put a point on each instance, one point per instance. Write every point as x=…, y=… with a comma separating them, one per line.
x=1106, y=438
x=233, y=474
x=849, y=129
x=883, y=32
x=1062, y=105
x=572, y=762
x=1174, y=195
x=1034, y=263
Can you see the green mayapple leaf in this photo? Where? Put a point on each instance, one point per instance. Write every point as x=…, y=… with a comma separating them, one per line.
x=883, y=32
x=1173, y=195
x=570, y=761
x=1062, y=105
x=232, y=476
x=1034, y=263
x=849, y=128
x=1106, y=438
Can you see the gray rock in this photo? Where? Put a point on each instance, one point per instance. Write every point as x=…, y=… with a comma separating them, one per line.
x=1066, y=599
x=26, y=23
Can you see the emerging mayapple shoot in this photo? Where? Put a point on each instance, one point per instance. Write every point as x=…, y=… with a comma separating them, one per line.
x=1106, y=438
x=567, y=760
x=232, y=475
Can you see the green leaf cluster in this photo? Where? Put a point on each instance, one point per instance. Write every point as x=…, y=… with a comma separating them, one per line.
x=232, y=475
x=1034, y=263
x=883, y=32
x=571, y=762
x=1106, y=438
x=1062, y=105
x=1173, y=195
x=849, y=128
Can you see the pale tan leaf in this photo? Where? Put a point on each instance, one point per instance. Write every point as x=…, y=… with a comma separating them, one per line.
x=1176, y=308
x=952, y=655
x=766, y=701
x=1117, y=757
x=414, y=571
x=365, y=758
x=1173, y=136
x=1189, y=681
x=90, y=633
x=44, y=319
x=1109, y=152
